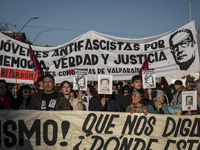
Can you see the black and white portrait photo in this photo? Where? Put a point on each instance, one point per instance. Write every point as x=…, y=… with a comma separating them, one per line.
x=80, y=80
x=182, y=50
x=148, y=78
x=189, y=100
x=104, y=84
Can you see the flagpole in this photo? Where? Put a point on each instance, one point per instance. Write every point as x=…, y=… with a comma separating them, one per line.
x=190, y=10
x=16, y=86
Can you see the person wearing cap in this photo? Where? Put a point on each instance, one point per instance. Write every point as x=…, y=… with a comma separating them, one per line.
x=177, y=97
x=196, y=87
x=189, y=84
x=157, y=107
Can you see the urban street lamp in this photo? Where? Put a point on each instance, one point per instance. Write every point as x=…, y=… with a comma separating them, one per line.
x=27, y=23
x=39, y=34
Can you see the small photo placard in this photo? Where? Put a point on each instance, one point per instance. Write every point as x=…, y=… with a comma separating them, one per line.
x=105, y=84
x=80, y=77
x=189, y=100
x=148, y=78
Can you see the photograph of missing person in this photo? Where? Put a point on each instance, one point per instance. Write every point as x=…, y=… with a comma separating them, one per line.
x=148, y=78
x=189, y=100
x=80, y=77
x=104, y=84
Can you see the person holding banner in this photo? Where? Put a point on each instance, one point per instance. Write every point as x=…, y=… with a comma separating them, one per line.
x=108, y=102
x=139, y=102
x=24, y=96
x=7, y=101
x=196, y=87
x=189, y=84
x=158, y=107
x=49, y=99
x=75, y=103
x=126, y=97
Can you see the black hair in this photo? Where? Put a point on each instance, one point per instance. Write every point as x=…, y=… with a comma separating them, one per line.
x=105, y=79
x=39, y=80
x=48, y=75
x=72, y=91
x=92, y=90
x=179, y=31
x=20, y=97
x=61, y=85
x=13, y=102
x=126, y=88
x=136, y=77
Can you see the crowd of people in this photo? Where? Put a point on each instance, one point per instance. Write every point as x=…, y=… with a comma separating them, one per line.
x=131, y=98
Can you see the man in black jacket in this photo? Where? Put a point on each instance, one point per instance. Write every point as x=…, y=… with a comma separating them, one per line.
x=100, y=102
x=49, y=99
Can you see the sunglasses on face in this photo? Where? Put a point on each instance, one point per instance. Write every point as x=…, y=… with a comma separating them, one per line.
x=126, y=92
x=33, y=89
x=26, y=91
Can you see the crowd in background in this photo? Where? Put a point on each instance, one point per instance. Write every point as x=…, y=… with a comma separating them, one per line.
x=130, y=98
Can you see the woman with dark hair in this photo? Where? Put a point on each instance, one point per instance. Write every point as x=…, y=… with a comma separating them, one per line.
x=90, y=90
x=65, y=89
x=139, y=101
x=13, y=90
x=7, y=101
x=24, y=96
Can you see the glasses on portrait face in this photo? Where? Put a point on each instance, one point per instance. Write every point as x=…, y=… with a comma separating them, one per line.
x=184, y=44
x=26, y=91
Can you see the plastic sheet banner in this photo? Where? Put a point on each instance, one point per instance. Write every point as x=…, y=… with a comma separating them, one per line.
x=171, y=53
x=19, y=74
x=84, y=130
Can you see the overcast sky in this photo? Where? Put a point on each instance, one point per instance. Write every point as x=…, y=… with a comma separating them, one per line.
x=68, y=19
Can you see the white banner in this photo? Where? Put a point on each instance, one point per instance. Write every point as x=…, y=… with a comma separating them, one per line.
x=171, y=53
x=85, y=130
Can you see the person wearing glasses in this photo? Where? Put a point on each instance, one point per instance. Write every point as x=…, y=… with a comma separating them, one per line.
x=182, y=51
x=49, y=99
x=24, y=97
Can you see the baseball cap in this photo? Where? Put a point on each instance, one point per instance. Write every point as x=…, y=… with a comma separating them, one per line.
x=190, y=80
x=179, y=82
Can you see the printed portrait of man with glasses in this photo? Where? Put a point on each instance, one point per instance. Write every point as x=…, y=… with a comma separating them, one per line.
x=182, y=48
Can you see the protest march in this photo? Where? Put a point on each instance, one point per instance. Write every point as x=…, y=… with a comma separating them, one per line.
x=101, y=92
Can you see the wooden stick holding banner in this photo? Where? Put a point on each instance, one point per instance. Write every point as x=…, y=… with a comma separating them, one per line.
x=16, y=86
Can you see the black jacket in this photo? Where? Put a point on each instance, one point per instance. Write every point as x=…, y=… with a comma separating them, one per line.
x=36, y=102
x=113, y=104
